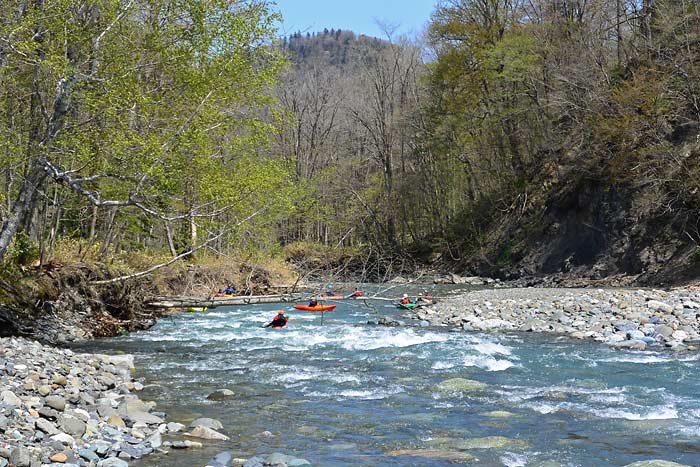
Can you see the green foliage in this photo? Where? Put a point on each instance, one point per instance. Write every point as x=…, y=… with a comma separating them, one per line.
x=505, y=255
x=23, y=251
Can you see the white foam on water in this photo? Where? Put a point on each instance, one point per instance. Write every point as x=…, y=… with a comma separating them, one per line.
x=511, y=459
x=491, y=348
x=523, y=393
x=659, y=413
x=359, y=394
x=488, y=363
x=543, y=408
x=357, y=339
x=440, y=365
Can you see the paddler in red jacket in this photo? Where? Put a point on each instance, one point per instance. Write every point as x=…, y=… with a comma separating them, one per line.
x=280, y=320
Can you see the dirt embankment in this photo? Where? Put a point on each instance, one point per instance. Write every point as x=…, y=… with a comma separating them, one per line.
x=59, y=303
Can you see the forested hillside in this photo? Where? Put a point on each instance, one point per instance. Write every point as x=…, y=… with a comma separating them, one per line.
x=523, y=138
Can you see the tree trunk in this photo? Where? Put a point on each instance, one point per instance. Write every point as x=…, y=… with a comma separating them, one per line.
x=22, y=209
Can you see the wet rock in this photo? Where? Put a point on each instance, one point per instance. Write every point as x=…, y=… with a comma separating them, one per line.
x=461, y=385
x=208, y=423
x=187, y=444
x=155, y=440
x=656, y=463
x=298, y=462
x=256, y=461
x=207, y=433
x=112, y=462
x=223, y=459
x=491, y=442
x=173, y=427
x=453, y=456
x=145, y=417
x=220, y=395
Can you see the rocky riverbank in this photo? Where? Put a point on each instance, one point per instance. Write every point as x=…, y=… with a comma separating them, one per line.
x=62, y=408
x=625, y=318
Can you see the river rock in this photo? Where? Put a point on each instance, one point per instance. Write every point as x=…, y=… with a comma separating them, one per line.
x=60, y=457
x=10, y=398
x=490, y=442
x=461, y=385
x=64, y=439
x=206, y=433
x=46, y=426
x=56, y=402
x=155, y=440
x=207, y=422
x=679, y=335
x=664, y=330
x=89, y=455
x=145, y=417
x=173, y=427
x=112, y=462
x=20, y=457
x=656, y=305
x=72, y=425
x=116, y=421
x=656, y=463
x=452, y=456
x=220, y=394
x=223, y=459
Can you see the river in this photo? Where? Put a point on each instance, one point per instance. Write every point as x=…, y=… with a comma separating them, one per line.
x=350, y=394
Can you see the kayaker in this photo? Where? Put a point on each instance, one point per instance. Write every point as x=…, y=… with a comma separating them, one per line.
x=313, y=302
x=405, y=300
x=356, y=293
x=279, y=321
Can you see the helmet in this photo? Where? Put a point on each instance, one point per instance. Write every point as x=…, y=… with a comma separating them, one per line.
x=281, y=312
x=420, y=294
x=405, y=295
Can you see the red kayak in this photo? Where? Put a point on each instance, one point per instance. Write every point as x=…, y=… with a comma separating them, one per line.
x=315, y=308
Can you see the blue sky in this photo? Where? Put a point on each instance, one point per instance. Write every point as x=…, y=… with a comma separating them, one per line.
x=356, y=15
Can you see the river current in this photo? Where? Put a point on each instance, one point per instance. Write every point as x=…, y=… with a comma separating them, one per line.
x=345, y=393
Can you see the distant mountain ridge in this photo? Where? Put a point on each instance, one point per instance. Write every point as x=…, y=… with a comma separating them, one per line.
x=337, y=47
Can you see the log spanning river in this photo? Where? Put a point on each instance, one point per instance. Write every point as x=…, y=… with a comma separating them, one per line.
x=346, y=393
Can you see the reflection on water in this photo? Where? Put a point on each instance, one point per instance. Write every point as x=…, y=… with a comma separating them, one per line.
x=350, y=394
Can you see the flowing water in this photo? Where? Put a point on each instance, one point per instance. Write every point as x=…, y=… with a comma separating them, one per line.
x=350, y=394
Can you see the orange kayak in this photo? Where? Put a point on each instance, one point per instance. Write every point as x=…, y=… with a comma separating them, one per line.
x=315, y=308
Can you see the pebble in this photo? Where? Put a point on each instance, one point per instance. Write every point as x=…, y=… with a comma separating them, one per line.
x=64, y=409
x=624, y=318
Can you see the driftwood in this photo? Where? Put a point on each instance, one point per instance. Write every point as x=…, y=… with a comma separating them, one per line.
x=187, y=302
x=198, y=302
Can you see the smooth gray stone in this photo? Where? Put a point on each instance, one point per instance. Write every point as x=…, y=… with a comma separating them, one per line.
x=89, y=455
x=46, y=426
x=256, y=461
x=223, y=459
x=112, y=462
x=208, y=423
x=20, y=457
x=56, y=402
